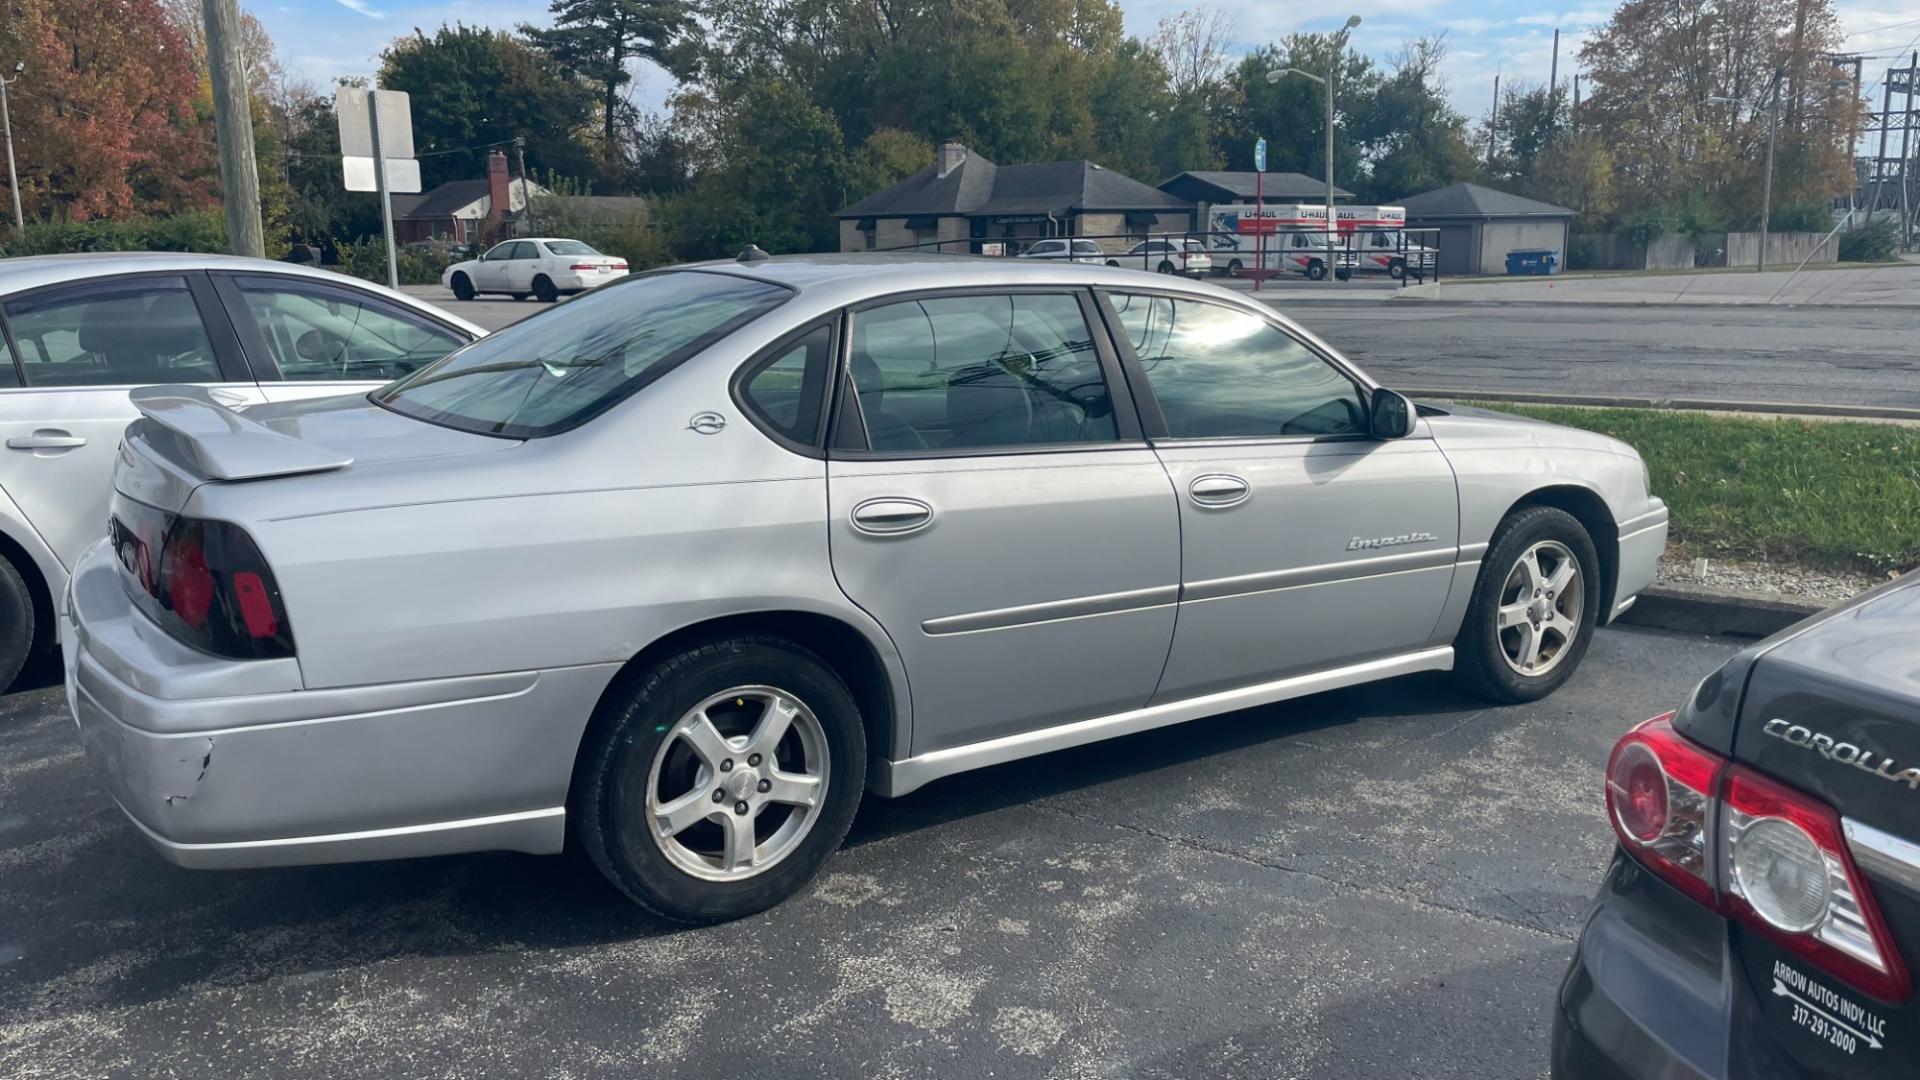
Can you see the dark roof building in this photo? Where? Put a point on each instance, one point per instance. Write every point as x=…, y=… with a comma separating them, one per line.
x=1464, y=200
x=1215, y=186
x=1477, y=226
x=964, y=199
x=464, y=211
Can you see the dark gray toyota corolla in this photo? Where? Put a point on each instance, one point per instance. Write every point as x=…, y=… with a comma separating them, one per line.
x=1761, y=917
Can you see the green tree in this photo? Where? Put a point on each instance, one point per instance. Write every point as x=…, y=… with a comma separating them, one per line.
x=1416, y=140
x=595, y=40
x=473, y=87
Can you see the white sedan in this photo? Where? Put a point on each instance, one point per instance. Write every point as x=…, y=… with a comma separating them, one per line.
x=540, y=267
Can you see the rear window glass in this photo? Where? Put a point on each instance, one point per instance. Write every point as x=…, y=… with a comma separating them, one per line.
x=565, y=366
x=570, y=247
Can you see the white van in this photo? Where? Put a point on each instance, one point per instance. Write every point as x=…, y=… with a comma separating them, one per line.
x=1295, y=239
x=1378, y=238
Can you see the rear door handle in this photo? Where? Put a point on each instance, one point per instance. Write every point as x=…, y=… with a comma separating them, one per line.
x=46, y=439
x=1217, y=490
x=892, y=516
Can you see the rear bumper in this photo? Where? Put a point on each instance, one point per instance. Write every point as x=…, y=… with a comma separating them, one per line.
x=1642, y=541
x=220, y=767
x=1645, y=997
x=575, y=281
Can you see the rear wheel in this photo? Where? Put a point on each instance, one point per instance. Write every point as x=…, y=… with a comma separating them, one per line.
x=1533, y=610
x=1234, y=268
x=1343, y=274
x=1113, y=262
x=17, y=622
x=543, y=289
x=1165, y=267
x=462, y=287
x=718, y=783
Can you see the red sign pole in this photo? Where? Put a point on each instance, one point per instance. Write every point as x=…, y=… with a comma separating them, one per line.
x=1259, y=223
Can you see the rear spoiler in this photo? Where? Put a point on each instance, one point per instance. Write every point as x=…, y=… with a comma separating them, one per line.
x=224, y=445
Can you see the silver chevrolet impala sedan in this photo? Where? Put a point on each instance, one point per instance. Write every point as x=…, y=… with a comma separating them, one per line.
x=694, y=560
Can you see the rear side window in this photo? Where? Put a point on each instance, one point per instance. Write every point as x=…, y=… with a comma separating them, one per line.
x=1085, y=247
x=137, y=332
x=563, y=367
x=569, y=247
x=9, y=375
x=316, y=332
x=785, y=389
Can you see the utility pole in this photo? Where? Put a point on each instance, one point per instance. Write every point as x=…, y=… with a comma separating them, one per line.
x=526, y=194
x=1493, y=125
x=1573, y=115
x=1766, y=185
x=1553, y=86
x=233, y=129
x=1906, y=156
x=1880, y=159
x=6, y=120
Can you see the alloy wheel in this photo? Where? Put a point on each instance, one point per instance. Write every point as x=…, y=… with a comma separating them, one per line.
x=1538, y=613
x=738, y=783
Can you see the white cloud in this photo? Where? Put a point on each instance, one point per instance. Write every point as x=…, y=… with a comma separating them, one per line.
x=361, y=7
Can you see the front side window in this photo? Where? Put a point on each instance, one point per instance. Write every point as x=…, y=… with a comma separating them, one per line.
x=570, y=247
x=137, y=332
x=320, y=333
x=563, y=367
x=955, y=373
x=499, y=252
x=1219, y=372
x=1047, y=247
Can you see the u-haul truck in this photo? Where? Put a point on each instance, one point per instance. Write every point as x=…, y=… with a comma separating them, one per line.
x=1378, y=238
x=1295, y=239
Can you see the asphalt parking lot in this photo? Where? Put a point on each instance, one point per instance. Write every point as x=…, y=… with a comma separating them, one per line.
x=1379, y=882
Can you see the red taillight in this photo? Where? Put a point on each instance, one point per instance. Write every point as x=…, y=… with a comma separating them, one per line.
x=183, y=570
x=204, y=582
x=618, y=266
x=584, y=266
x=1660, y=794
x=1740, y=843
x=256, y=605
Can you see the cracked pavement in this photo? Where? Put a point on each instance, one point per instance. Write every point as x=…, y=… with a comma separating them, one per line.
x=1374, y=883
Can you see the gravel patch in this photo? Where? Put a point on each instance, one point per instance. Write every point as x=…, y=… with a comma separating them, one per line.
x=1786, y=579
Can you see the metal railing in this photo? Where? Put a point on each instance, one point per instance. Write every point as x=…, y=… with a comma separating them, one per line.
x=1409, y=256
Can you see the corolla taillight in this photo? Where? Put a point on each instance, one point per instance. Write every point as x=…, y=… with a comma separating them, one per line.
x=1766, y=854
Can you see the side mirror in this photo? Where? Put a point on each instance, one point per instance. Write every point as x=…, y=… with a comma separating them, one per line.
x=1391, y=415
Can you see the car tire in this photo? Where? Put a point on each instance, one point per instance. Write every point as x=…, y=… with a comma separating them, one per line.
x=1534, y=654
x=1316, y=270
x=1165, y=267
x=17, y=622
x=1397, y=269
x=1113, y=262
x=518, y=295
x=640, y=751
x=1234, y=268
x=544, y=291
x=462, y=287
x=1342, y=275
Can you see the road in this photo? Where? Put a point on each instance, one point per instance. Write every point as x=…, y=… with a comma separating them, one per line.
x=1828, y=356
x=1805, y=355
x=1381, y=882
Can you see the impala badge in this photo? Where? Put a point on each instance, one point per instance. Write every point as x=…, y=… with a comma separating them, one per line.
x=1361, y=543
x=707, y=423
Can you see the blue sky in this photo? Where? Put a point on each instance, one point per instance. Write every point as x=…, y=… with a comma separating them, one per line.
x=323, y=39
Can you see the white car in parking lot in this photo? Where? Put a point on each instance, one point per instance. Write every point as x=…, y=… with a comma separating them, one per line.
x=541, y=267
x=1080, y=251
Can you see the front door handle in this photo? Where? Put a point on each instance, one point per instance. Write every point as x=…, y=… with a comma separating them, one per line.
x=46, y=439
x=892, y=516
x=1218, y=490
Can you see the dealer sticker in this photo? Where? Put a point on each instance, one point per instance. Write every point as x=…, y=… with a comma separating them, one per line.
x=1826, y=1015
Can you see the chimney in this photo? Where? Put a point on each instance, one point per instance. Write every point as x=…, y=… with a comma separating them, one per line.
x=949, y=156
x=498, y=200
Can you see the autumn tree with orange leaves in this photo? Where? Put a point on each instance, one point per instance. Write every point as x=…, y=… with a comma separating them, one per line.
x=104, y=119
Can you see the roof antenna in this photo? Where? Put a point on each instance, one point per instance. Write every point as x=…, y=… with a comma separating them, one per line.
x=753, y=254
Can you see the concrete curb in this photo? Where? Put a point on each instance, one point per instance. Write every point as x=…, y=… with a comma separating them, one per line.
x=1703, y=611
x=1629, y=401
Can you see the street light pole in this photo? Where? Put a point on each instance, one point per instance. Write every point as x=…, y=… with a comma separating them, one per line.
x=6, y=121
x=1766, y=182
x=1334, y=46
x=1766, y=185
